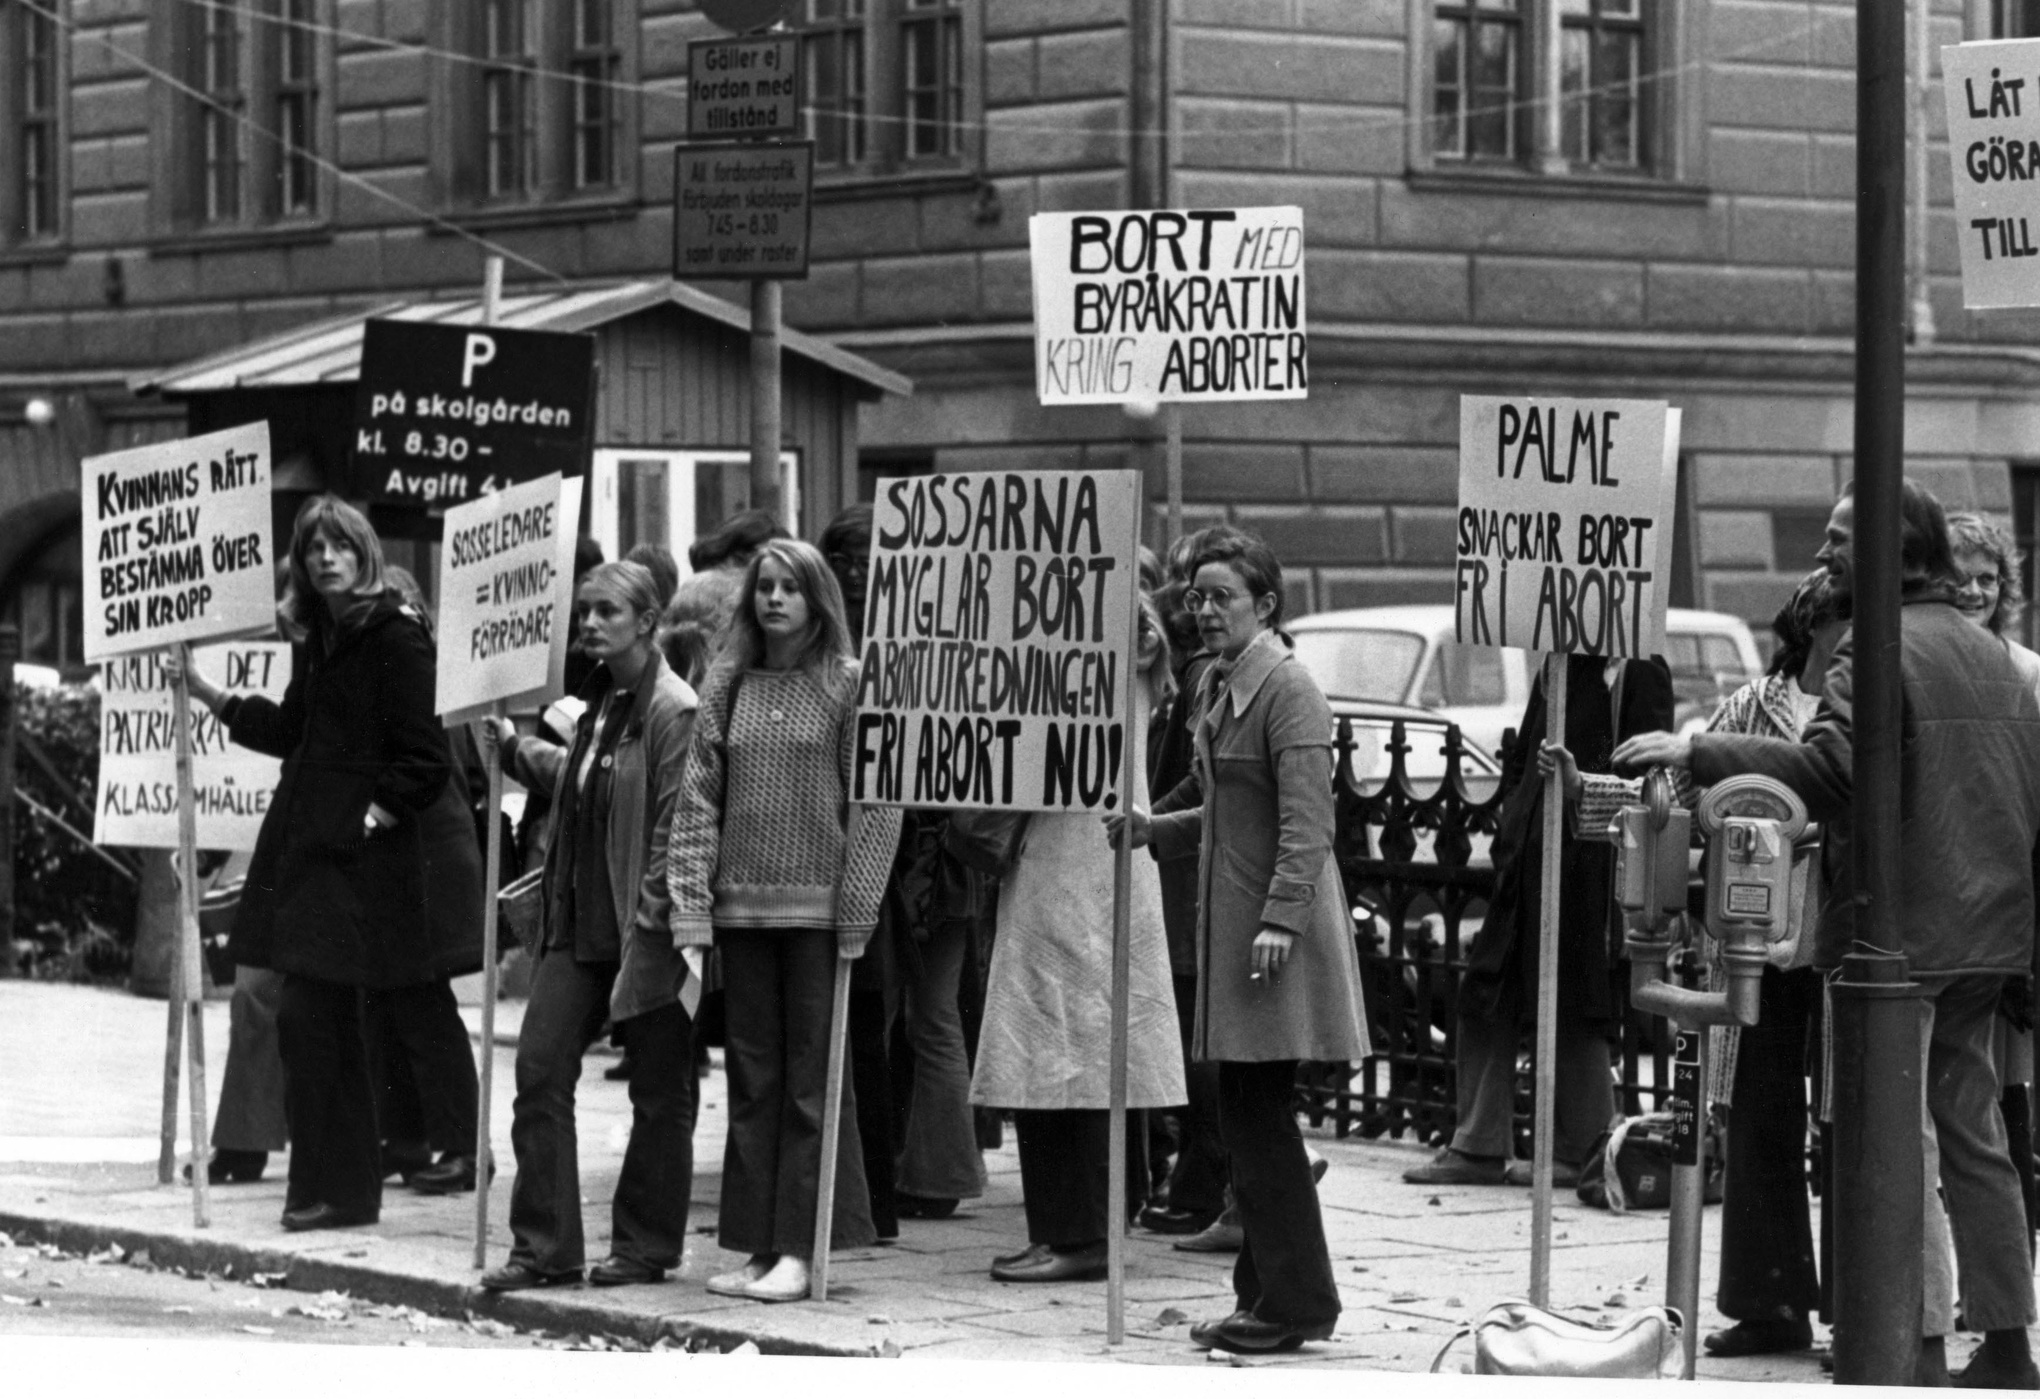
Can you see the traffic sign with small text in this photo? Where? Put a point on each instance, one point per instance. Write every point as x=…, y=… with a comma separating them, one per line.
x=449, y=413
x=747, y=87
x=741, y=209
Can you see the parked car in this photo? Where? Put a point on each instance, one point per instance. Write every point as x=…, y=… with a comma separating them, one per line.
x=1407, y=655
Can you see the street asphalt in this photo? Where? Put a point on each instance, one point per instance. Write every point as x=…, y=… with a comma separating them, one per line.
x=78, y=1144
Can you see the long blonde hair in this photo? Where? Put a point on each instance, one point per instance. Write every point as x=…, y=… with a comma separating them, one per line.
x=828, y=640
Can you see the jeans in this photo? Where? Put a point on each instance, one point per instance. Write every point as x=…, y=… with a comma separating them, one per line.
x=1065, y=1173
x=1284, y=1272
x=569, y=1002
x=428, y=1091
x=777, y=983
x=1986, y=1210
x=1487, y=1090
x=938, y=1147
x=251, y=1115
x=336, y=1152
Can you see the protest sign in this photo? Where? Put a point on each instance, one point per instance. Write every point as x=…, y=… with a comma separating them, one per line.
x=997, y=657
x=1169, y=306
x=177, y=543
x=1565, y=523
x=137, y=798
x=1993, y=94
x=506, y=580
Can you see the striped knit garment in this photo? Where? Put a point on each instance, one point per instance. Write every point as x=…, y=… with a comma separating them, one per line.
x=763, y=836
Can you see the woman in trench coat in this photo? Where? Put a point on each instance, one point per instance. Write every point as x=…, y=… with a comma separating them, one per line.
x=1046, y=1046
x=1278, y=979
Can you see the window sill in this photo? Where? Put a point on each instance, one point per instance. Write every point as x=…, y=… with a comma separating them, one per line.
x=845, y=186
x=34, y=254
x=227, y=238
x=1571, y=185
x=536, y=214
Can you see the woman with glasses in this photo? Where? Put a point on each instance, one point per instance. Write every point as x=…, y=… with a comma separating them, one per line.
x=1046, y=1046
x=1277, y=976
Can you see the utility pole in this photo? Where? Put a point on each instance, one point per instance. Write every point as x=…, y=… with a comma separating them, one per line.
x=10, y=652
x=1878, y=1089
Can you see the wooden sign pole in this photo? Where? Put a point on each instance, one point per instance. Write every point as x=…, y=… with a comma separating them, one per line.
x=492, y=867
x=832, y=1128
x=1547, y=994
x=173, y=1068
x=188, y=994
x=1122, y=959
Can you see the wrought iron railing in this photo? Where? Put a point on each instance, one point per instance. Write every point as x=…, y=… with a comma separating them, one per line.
x=1414, y=858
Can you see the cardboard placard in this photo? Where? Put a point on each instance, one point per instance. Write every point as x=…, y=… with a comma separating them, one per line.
x=1993, y=94
x=506, y=584
x=1170, y=306
x=997, y=631
x=177, y=543
x=137, y=799
x=1566, y=509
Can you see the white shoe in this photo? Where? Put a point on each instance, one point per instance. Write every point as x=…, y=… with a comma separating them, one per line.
x=787, y=1282
x=738, y=1283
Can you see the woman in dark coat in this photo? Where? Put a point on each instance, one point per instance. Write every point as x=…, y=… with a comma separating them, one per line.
x=348, y=891
x=1278, y=979
x=1606, y=702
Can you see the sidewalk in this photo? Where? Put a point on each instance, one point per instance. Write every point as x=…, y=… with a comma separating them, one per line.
x=78, y=1120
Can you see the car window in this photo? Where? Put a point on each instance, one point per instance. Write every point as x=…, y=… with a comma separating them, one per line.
x=1473, y=675
x=1682, y=653
x=1425, y=761
x=1360, y=664
x=1721, y=655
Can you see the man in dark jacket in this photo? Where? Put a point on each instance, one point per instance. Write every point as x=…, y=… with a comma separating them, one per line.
x=1969, y=812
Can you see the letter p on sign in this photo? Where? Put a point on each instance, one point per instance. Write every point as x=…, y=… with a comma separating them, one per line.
x=480, y=350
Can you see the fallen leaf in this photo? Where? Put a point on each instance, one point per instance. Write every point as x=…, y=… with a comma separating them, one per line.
x=1434, y=1200
x=1616, y=1299
x=1171, y=1316
x=1454, y=1302
x=140, y=1259
x=890, y=1350
x=260, y=1330
x=265, y=1279
x=747, y=1348
x=878, y=1321
x=355, y=1253
x=6, y=1240
x=1360, y=1267
x=13, y=1301
x=12, y=1273
x=1406, y=1297
x=177, y=1311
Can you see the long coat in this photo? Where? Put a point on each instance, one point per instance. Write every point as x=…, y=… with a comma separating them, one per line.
x=1046, y=1042
x=1258, y=810
x=356, y=726
x=1501, y=969
x=644, y=787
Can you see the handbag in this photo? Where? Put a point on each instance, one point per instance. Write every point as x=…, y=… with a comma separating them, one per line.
x=520, y=912
x=1519, y=1338
x=1641, y=1148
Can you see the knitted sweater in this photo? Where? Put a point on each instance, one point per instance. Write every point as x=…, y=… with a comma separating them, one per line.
x=760, y=836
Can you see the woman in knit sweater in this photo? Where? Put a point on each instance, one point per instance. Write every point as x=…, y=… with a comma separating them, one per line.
x=771, y=863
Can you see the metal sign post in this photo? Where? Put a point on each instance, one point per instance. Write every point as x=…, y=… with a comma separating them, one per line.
x=1547, y=994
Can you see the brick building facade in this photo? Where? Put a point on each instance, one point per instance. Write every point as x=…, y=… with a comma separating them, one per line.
x=1607, y=197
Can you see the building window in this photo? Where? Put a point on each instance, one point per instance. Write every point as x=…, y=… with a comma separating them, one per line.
x=218, y=91
x=297, y=107
x=594, y=66
x=1500, y=69
x=543, y=109
x=931, y=36
x=2014, y=19
x=509, y=119
x=1476, y=93
x=1601, y=68
x=887, y=85
x=32, y=45
x=242, y=141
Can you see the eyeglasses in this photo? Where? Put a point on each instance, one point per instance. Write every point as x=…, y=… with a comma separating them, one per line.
x=850, y=565
x=1982, y=582
x=1219, y=598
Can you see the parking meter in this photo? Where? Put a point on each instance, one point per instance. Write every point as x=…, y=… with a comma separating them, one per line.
x=1651, y=842
x=1750, y=823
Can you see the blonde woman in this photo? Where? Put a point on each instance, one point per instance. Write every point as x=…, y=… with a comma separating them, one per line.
x=771, y=864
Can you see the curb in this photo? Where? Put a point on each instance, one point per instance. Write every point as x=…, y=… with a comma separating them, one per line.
x=560, y=1312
